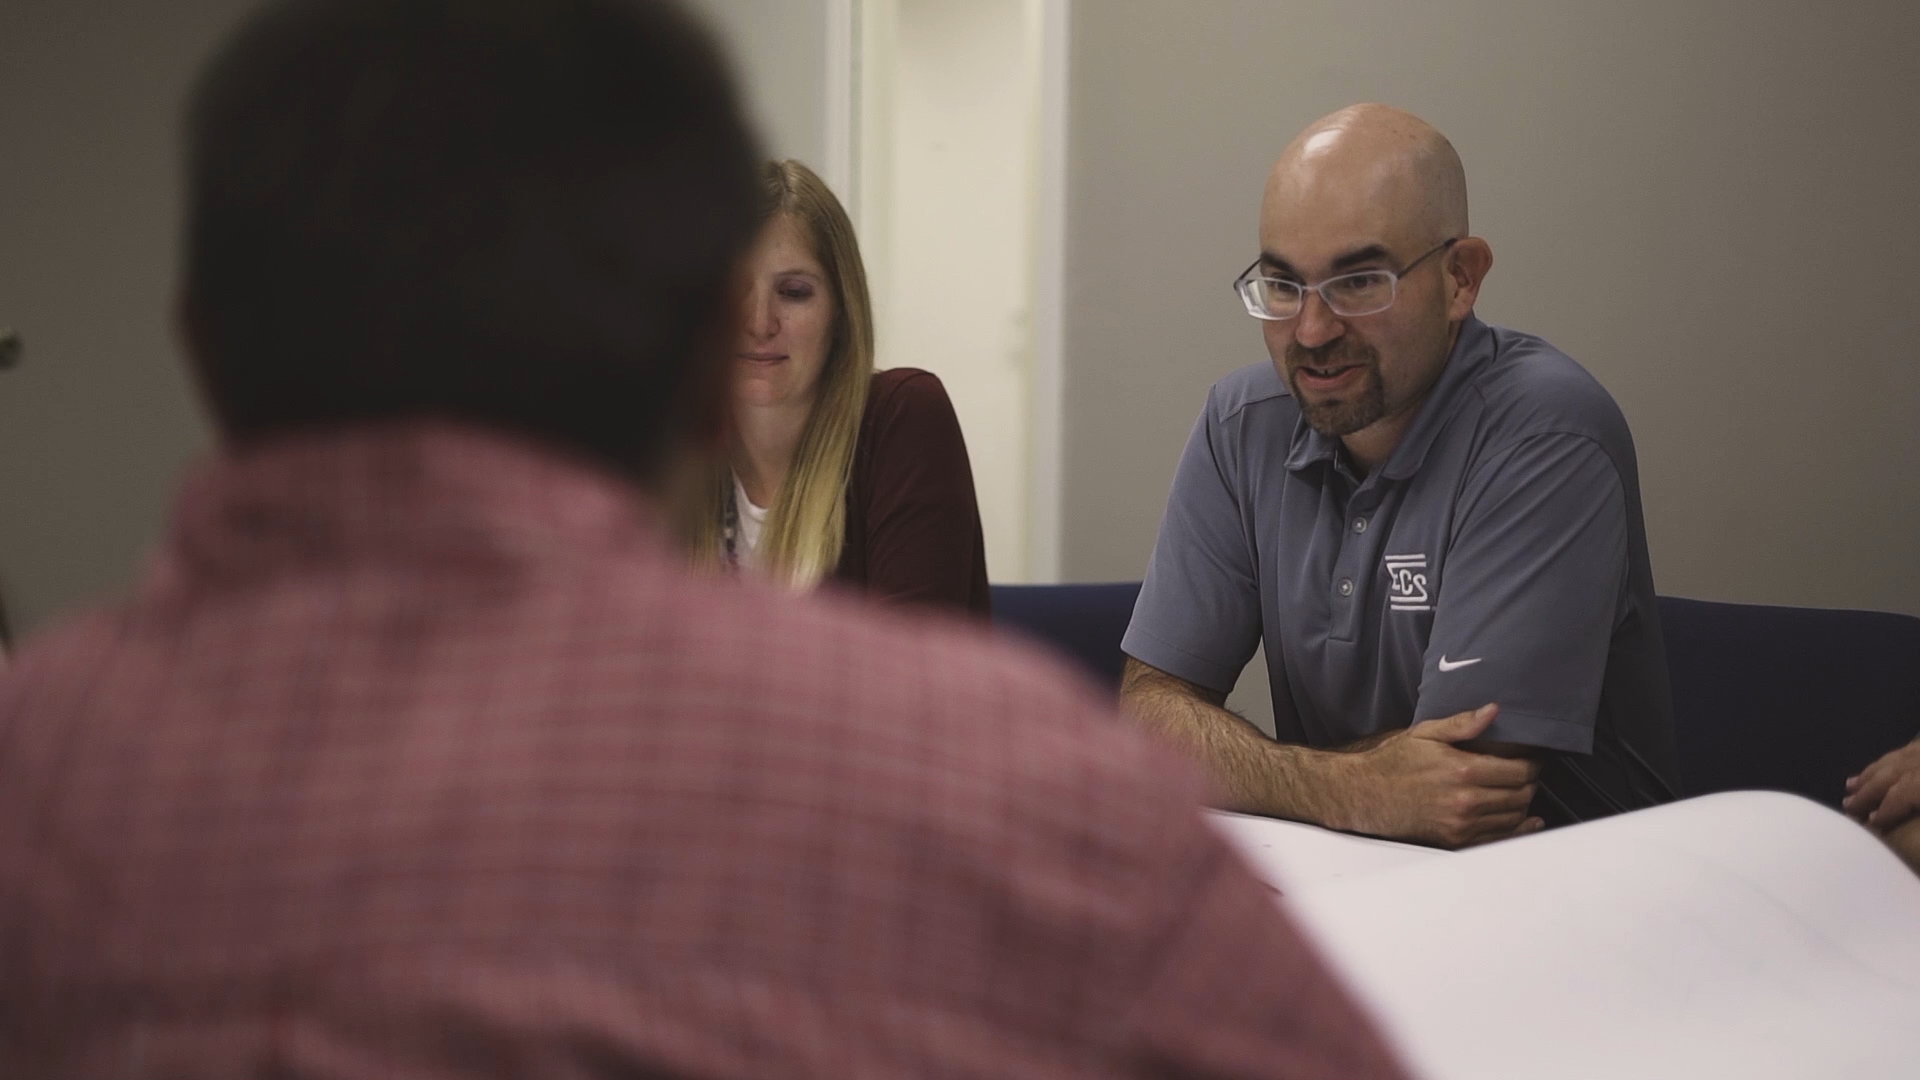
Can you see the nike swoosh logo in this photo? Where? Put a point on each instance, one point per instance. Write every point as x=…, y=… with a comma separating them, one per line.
x=1456, y=665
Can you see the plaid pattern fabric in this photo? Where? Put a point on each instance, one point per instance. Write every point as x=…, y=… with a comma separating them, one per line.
x=416, y=754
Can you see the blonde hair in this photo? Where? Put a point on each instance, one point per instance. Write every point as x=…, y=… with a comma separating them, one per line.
x=806, y=526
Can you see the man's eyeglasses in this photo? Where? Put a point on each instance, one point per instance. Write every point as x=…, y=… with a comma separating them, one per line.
x=1363, y=292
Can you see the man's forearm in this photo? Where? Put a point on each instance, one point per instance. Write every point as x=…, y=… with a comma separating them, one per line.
x=1251, y=773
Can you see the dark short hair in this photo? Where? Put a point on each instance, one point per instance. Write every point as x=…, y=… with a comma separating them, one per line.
x=520, y=213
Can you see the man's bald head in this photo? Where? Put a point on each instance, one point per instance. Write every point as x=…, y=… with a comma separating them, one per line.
x=1362, y=191
x=1376, y=163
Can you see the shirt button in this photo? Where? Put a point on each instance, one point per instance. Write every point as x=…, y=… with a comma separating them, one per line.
x=1346, y=586
x=1359, y=525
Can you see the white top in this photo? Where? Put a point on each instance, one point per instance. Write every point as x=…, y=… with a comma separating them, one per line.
x=752, y=520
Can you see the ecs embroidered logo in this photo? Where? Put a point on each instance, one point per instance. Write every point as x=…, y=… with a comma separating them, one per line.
x=1407, y=579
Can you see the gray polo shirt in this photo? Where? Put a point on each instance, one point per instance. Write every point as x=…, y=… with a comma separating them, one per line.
x=1499, y=555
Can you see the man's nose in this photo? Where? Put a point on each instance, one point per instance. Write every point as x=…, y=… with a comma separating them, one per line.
x=1316, y=324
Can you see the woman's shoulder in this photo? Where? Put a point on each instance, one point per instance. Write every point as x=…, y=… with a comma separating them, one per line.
x=904, y=400
x=905, y=387
x=909, y=417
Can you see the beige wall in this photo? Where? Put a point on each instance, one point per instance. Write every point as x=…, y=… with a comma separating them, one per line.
x=779, y=50
x=98, y=419
x=1714, y=206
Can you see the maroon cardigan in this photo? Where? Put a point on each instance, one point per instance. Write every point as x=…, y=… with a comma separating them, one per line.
x=913, y=525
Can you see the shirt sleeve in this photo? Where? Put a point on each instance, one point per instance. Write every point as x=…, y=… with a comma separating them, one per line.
x=1198, y=616
x=1179, y=960
x=1182, y=953
x=1233, y=989
x=1530, y=593
x=924, y=538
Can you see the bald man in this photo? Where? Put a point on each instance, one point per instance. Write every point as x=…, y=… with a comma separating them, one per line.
x=1432, y=523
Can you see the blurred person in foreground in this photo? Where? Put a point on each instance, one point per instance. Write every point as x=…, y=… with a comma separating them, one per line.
x=417, y=752
x=1433, y=524
x=834, y=470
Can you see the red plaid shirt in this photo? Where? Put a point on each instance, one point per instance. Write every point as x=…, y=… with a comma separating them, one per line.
x=416, y=754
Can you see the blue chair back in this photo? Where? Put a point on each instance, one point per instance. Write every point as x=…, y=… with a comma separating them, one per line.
x=1081, y=622
x=1791, y=699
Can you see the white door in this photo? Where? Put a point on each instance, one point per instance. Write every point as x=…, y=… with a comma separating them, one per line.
x=947, y=168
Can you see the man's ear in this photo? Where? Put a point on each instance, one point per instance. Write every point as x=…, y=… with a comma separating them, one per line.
x=186, y=328
x=1467, y=266
x=710, y=427
x=189, y=334
x=705, y=430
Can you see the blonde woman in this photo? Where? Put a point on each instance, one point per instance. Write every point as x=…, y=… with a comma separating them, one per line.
x=836, y=471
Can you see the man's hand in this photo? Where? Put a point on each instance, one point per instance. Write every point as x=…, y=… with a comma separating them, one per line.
x=1886, y=793
x=1905, y=842
x=1411, y=784
x=1416, y=785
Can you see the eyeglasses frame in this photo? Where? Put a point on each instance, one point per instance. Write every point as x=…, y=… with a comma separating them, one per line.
x=1321, y=285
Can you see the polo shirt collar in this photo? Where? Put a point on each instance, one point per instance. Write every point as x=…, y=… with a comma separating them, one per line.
x=1471, y=352
x=1309, y=446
